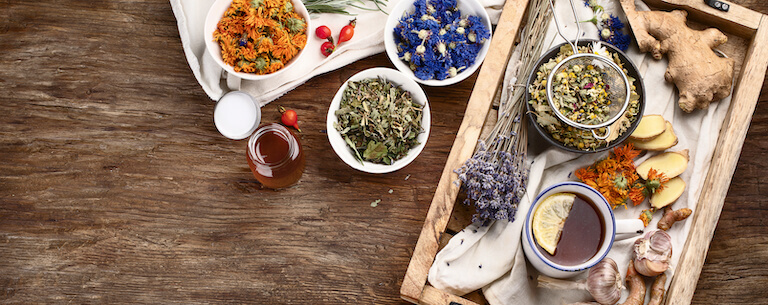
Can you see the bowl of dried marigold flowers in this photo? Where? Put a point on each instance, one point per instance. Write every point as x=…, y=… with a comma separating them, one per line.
x=437, y=42
x=256, y=39
x=559, y=133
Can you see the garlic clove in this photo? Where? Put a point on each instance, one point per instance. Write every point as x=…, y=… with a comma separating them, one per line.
x=652, y=253
x=604, y=282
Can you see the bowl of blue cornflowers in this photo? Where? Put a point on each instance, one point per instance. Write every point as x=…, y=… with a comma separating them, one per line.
x=437, y=42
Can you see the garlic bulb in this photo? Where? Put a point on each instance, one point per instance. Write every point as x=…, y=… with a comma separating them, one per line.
x=603, y=282
x=652, y=253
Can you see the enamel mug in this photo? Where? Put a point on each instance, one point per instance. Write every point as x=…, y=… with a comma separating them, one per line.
x=613, y=230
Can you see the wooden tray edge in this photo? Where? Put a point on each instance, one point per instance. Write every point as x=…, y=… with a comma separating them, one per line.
x=725, y=156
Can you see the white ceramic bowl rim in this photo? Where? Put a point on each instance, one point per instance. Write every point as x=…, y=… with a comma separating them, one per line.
x=343, y=150
x=467, y=7
x=216, y=12
x=592, y=261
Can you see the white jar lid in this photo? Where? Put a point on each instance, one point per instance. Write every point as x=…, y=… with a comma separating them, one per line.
x=236, y=115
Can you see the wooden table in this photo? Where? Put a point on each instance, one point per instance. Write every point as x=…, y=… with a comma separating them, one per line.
x=116, y=187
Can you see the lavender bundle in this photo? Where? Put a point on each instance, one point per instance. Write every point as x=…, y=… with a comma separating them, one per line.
x=496, y=176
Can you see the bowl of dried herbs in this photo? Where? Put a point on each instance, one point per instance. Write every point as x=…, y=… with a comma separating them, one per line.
x=580, y=82
x=378, y=121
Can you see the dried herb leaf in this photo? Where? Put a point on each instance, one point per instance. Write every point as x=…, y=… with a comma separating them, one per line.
x=378, y=120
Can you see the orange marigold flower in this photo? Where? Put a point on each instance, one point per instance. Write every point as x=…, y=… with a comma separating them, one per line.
x=245, y=45
x=584, y=175
x=626, y=152
x=653, y=174
x=646, y=216
x=636, y=195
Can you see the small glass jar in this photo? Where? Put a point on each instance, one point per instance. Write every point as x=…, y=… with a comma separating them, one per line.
x=275, y=156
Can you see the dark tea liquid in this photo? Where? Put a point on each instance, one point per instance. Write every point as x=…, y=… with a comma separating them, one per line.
x=275, y=156
x=582, y=235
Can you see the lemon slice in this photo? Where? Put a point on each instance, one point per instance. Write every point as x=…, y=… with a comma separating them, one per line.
x=549, y=218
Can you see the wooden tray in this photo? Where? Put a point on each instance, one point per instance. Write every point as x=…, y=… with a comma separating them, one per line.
x=746, y=30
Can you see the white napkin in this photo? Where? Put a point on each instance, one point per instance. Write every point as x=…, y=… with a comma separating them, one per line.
x=368, y=40
x=455, y=267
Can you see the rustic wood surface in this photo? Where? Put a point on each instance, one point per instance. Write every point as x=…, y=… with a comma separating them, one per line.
x=116, y=187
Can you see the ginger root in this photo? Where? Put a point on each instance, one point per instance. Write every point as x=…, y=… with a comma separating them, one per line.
x=699, y=74
x=636, y=284
x=672, y=216
x=650, y=127
x=661, y=142
x=672, y=190
x=657, y=289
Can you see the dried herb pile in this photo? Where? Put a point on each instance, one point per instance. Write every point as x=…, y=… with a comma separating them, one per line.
x=570, y=136
x=378, y=120
x=581, y=95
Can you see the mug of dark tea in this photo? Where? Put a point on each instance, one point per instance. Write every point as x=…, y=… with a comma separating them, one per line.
x=570, y=228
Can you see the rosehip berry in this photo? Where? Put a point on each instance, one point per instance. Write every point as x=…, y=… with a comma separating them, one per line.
x=323, y=32
x=327, y=48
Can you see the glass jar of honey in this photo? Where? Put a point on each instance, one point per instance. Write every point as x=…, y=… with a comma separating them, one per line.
x=275, y=156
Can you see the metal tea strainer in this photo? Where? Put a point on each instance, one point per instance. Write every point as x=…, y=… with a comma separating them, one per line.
x=614, y=82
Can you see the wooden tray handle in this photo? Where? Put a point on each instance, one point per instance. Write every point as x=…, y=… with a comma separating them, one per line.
x=738, y=20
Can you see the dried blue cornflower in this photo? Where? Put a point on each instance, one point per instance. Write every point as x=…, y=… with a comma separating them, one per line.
x=436, y=41
x=612, y=32
x=619, y=40
x=611, y=27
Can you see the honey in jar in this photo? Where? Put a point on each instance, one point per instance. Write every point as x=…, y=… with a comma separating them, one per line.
x=275, y=156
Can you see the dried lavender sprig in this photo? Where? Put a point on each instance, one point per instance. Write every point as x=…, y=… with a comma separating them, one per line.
x=496, y=176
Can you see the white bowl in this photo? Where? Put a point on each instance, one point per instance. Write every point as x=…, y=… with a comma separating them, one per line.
x=216, y=12
x=467, y=7
x=347, y=154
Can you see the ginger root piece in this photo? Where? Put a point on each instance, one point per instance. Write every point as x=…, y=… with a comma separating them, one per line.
x=650, y=127
x=699, y=74
x=672, y=190
x=661, y=142
x=657, y=289
x=672, y=216
x=671, y=164
x=636, y=285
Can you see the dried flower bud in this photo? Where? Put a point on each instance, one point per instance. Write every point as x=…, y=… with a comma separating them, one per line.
x=472, y=37
x=605, y=33
x=460, y=30
x=441, y=48
x=406, y=56
x=423, y=34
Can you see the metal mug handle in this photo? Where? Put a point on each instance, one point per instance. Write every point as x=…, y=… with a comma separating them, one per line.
x=607, y=133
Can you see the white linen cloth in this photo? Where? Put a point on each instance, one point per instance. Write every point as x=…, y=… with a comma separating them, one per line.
x=368, y=40
x=456, y=267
